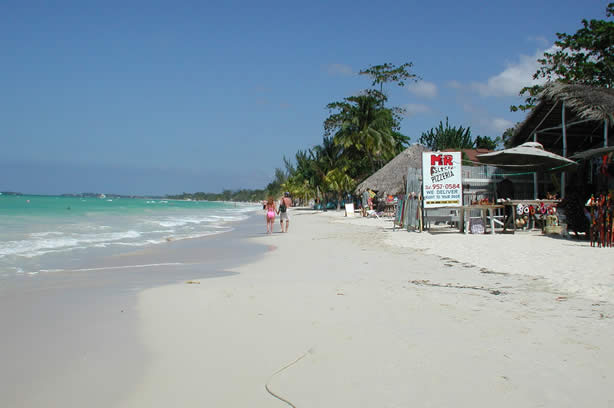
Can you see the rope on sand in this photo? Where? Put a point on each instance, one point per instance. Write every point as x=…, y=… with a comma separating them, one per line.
x=279, y=371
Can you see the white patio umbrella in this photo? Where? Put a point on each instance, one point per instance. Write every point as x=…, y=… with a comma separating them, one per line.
x=529, y=156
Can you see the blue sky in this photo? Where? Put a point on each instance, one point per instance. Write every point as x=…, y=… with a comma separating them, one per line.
x=152, y=97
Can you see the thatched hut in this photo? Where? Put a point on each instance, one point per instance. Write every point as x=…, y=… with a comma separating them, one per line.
x=391, y=179
x=569, y=119
x=573, y=120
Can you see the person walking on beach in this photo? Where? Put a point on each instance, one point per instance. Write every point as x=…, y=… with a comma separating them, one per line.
x=270, y=215
x=284, y=204
x=364, y=203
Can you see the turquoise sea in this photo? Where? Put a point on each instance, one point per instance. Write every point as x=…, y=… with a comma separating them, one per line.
x=37, y=229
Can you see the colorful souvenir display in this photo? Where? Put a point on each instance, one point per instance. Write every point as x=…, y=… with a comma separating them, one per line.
x=538, y=209
x=602, y=217
x=483, y=201
x=541, y=211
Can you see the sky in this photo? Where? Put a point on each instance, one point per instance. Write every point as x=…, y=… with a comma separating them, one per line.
x=163, y=97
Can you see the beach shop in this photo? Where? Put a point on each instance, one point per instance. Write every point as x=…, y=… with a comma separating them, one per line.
x=454, y=189
x=576, y=121
x=451, y=195
x=558, y=168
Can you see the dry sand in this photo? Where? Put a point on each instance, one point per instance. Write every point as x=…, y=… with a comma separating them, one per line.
x=356, y=315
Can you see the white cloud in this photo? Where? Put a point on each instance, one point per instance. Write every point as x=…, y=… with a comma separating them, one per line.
x=500, y=124
x=469, y=108
x=481, y=117
x=413, y=109
x=340, y=69
x=454, y=84
x=540, y=40
x=513, y=78
x=423, y=89
x=492, y=125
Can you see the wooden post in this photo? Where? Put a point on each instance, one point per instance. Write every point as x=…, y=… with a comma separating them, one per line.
x=467, y=219
x=535, y=173
x=491, y=212
x=564, y=129
x=420, y=216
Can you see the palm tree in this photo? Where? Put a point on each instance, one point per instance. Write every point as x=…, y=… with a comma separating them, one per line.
x=339, y=182
x=363, y=128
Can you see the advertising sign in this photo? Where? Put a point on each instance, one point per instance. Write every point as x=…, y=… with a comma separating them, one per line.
x=441, y=177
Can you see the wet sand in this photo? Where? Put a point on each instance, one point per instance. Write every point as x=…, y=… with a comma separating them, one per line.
x=72, y=338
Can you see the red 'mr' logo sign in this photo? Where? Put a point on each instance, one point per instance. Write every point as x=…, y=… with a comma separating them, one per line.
x=441, y=159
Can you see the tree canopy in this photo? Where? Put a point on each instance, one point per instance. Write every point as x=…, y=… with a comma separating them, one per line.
x=585, y=57
x=485, y=142
x=447, y=137
x=361, y=134
x=384, y=73
x=365, y=129
x=452, y=137
x=244, y=195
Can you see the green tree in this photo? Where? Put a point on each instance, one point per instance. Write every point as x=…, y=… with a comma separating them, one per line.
x=226, y=195
x=384, y=73
x=360, y=135
x=586, y=57
x=506, y=137
x=485, y=142
x=327, y=156
x=365, y=130
x=447, y=137
x=274, y=188
x=340, y=183
x=302, y=179
x=307, y=175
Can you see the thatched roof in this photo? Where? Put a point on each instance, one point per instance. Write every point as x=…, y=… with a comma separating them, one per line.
x=391, y=178
x=585, y=103
x=589, y=102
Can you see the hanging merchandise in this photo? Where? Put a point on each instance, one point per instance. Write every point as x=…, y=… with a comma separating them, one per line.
x=602, y=220
x=605, y=161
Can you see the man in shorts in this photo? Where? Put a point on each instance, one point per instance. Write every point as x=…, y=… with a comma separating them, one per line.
x=284, y=204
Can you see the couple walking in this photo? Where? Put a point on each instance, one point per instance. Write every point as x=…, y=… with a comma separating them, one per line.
x=284, y=203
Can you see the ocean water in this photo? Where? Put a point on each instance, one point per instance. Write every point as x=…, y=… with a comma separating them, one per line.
x=34, y=230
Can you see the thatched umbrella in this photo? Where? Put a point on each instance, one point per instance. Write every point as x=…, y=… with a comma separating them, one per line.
x=391, y=178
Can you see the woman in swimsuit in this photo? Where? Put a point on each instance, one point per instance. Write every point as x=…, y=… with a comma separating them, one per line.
x=270, y=215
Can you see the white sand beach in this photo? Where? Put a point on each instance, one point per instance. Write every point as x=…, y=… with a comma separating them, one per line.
x=356, y=315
